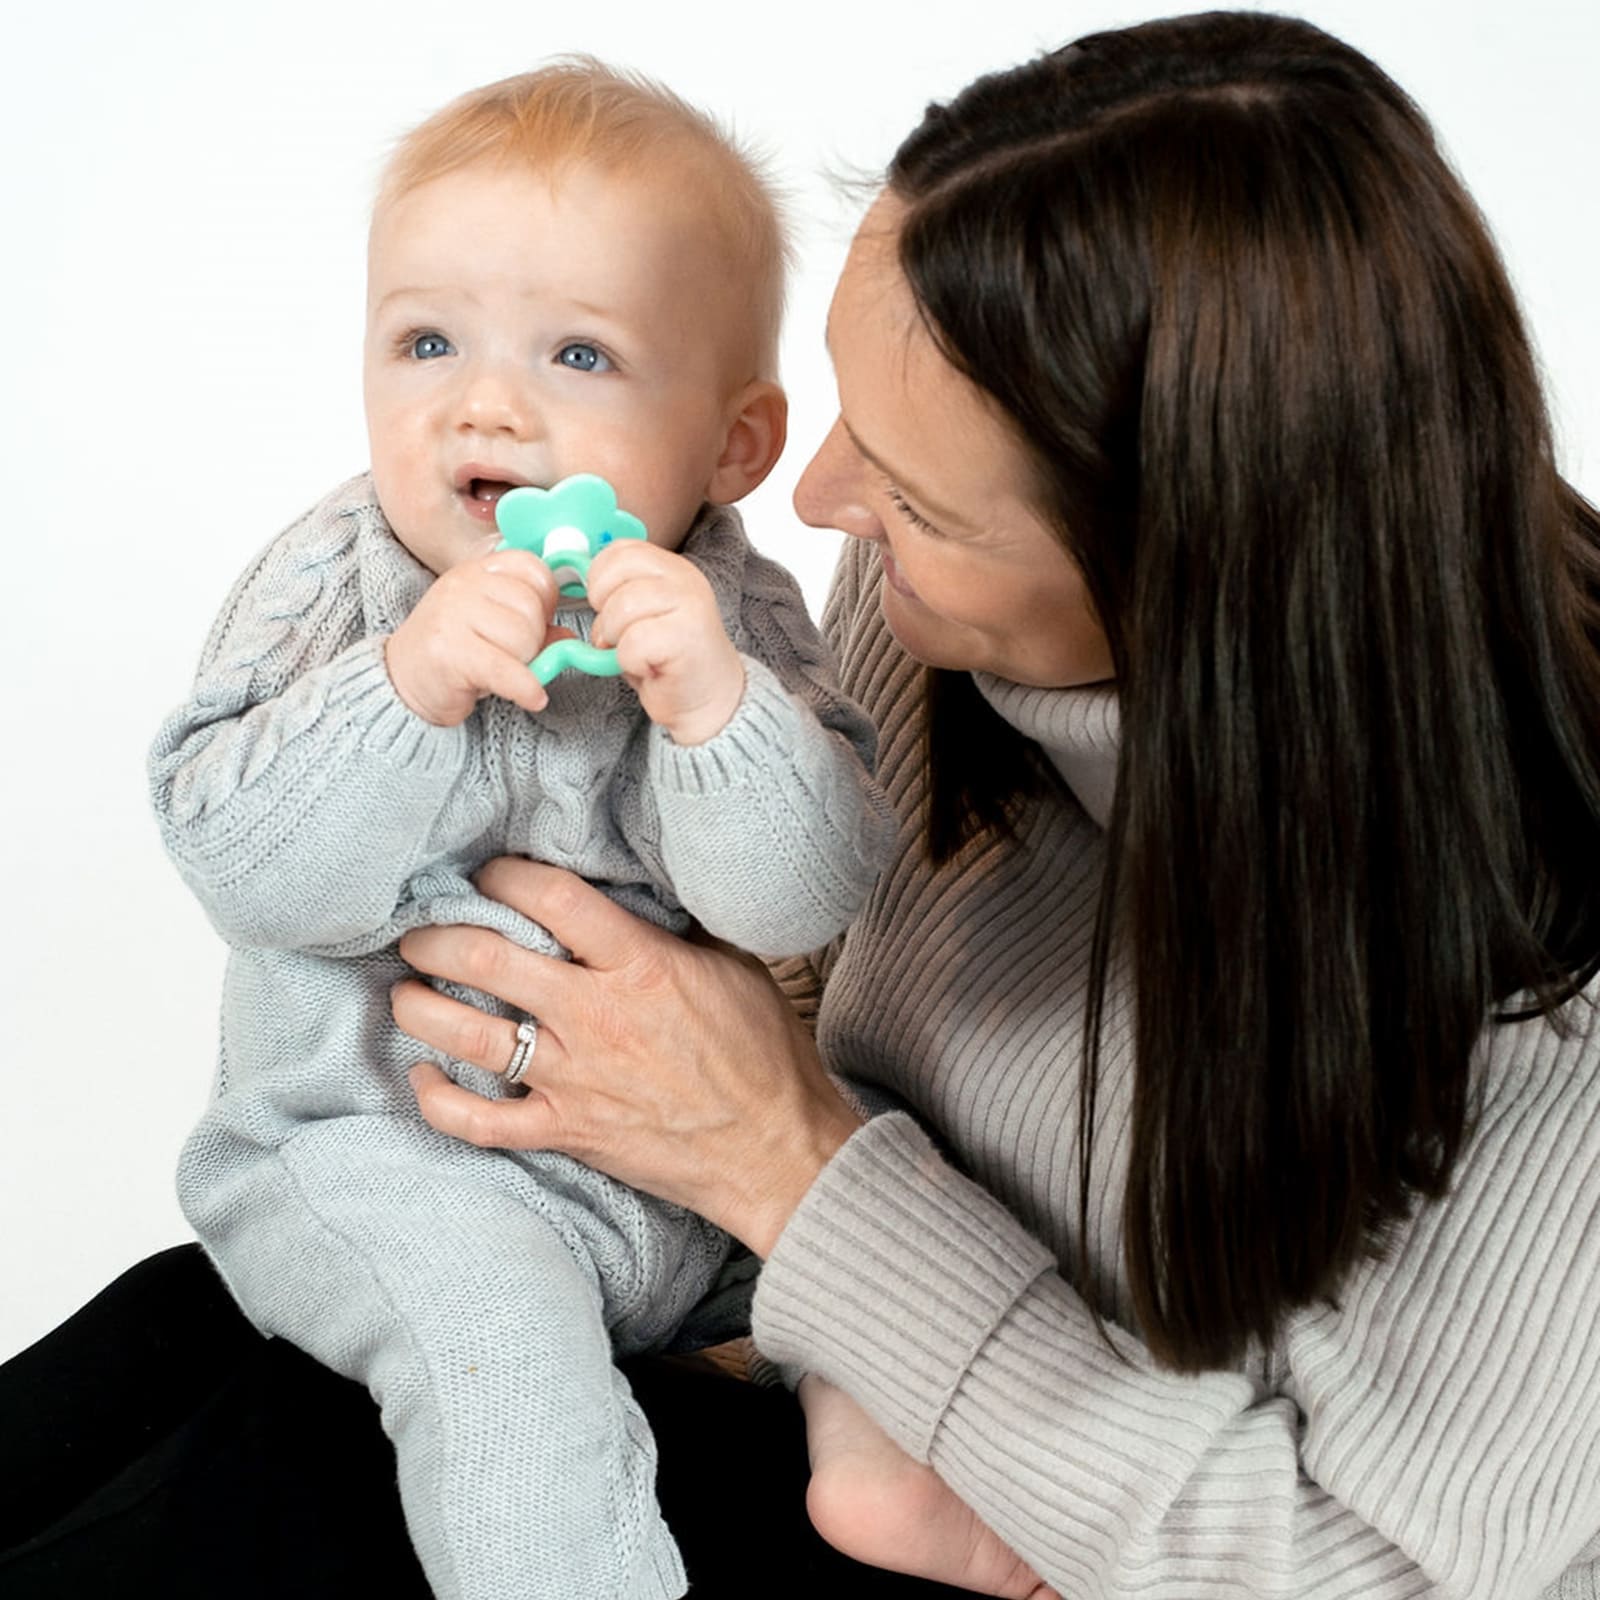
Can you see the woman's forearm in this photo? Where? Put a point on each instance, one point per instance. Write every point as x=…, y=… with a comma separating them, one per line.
x=1404, y=1453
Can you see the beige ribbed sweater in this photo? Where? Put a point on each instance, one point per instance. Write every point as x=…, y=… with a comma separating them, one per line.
x=1436, y=1434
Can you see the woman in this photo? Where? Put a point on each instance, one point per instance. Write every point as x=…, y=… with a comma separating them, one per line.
x=1236, y=651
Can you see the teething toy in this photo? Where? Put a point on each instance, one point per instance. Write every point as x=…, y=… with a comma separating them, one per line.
x=567, y=525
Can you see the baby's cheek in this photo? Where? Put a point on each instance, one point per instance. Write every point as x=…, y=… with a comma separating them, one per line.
x=667, y=519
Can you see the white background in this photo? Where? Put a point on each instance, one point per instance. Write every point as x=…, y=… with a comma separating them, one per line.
x=184, y=189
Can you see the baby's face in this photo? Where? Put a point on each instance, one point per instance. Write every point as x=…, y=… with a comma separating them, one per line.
x=521, y=328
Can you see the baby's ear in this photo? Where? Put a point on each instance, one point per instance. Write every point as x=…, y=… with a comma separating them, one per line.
x=759, y=426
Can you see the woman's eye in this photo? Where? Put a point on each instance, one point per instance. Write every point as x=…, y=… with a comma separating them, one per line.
x=907, y=510
x=428, y=346
x=583, y=358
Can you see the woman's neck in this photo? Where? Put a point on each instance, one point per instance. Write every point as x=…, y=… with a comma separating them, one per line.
x=1078, y=728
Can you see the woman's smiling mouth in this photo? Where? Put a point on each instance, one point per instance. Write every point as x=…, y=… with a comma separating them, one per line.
x=897, y=579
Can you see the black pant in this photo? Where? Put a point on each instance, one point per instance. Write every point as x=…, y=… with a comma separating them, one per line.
x=156, y=1445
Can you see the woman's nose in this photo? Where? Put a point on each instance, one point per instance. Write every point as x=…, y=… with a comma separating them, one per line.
x=831, y=491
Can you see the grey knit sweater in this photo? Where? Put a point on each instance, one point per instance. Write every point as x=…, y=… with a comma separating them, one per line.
x=309, y=808
x=1438, y=1433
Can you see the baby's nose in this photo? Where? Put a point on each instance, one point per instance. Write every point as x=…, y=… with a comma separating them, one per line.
x=495, y=401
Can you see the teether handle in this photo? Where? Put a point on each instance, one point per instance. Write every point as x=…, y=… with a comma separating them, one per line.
x=572, y=654
x=577, y=655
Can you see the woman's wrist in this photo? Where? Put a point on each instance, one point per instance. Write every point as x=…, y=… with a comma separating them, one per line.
x=814, y=1140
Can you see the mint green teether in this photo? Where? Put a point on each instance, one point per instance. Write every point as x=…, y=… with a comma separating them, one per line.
x=567, y=526
x=577, y=654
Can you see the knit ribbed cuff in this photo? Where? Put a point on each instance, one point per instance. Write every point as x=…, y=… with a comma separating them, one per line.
x=361, y=694
x=891, y=1275
x=765, y=726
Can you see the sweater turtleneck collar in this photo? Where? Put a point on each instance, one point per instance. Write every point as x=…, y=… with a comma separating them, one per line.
x=1077, y=728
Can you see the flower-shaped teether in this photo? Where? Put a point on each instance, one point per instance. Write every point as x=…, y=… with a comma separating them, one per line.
x=567, y=525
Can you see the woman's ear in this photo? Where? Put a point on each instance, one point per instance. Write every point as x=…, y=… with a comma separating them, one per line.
x=756, y=433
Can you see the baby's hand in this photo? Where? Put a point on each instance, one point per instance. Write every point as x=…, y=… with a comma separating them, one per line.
x=473, y=634
x=657, y=609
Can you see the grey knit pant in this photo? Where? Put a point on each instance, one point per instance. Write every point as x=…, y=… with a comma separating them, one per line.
x=482, y=1297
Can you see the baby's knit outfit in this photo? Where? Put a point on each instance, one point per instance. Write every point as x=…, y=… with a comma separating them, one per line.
x=480, y=1295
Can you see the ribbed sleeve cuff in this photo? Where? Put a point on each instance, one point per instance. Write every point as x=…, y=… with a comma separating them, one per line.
x=891, y=1275
x=766, y=726
x=361, y=695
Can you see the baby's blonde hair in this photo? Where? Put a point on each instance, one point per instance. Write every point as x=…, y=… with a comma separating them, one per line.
x=577, y=109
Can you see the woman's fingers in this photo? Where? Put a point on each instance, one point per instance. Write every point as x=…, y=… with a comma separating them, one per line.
x=484, y=960
x=598, y=932
x=459, y=1031
x=524, y=1124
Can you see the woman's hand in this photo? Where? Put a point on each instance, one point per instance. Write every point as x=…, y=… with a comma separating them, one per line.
x=678, y=1068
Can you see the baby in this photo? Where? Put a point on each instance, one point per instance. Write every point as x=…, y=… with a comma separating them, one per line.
x=570, y=271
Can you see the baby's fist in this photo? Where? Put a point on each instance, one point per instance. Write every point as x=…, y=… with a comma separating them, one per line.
x=472, y=634
x=659, y=612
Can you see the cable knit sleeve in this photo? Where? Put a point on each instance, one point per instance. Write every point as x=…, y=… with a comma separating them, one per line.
x=1436, y=1433
x=294, y=790
x=772, y=832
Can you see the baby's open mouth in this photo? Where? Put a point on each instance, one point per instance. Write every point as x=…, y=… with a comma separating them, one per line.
x=481, y=488
x=480, y=496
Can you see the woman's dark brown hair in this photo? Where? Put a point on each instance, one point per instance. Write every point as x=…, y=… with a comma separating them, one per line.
x=1265, y=359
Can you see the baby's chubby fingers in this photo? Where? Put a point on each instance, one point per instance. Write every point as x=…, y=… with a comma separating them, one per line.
x=473, y=633
x=512, y=595
x=625, y=559
x=495, y=592
x=658, y=610
x=525, y=569
x=503, y=671
x=631, y=581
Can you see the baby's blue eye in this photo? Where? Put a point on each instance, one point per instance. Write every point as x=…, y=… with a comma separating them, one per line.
x=428, y=346
x=583, y=358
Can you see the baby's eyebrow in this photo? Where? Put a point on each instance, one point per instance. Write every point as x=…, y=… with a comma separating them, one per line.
x=424, y=291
